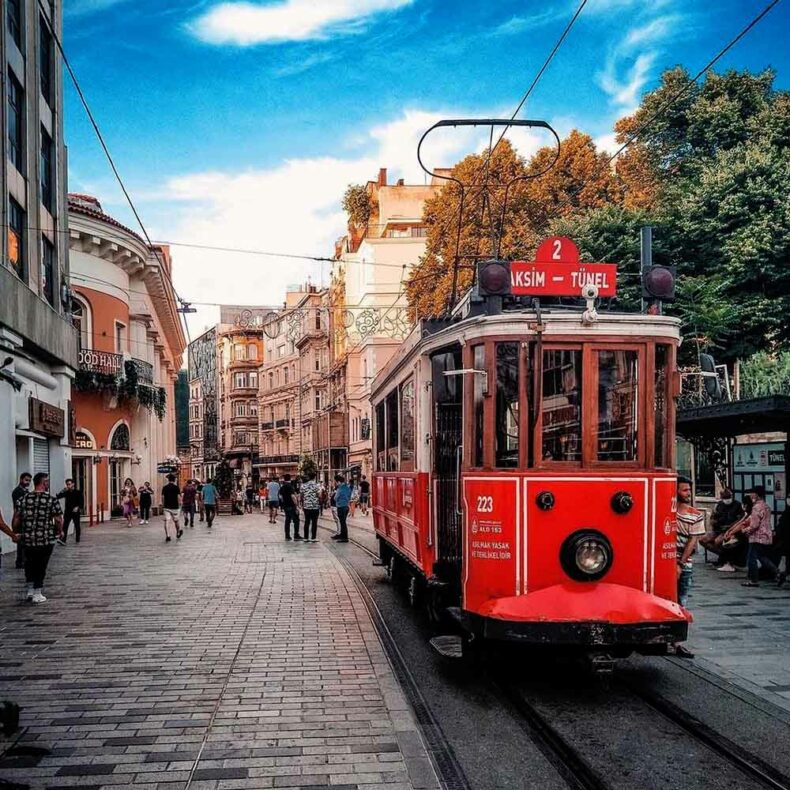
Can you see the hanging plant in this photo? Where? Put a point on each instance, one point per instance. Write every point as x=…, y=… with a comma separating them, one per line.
x=91, y=381
x=160, y=404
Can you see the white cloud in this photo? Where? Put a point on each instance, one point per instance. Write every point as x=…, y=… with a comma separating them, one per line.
x=293, y=207
x=521, y=24
x=247, y=24
x=624, y=91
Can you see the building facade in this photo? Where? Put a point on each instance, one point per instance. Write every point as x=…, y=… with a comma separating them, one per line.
x=131, y=347
x=38, y=345
x=368, y=306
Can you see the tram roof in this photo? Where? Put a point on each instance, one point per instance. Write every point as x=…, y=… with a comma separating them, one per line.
x=558, y=323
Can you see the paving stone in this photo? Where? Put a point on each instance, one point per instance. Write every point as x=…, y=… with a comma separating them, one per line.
x=231, y=648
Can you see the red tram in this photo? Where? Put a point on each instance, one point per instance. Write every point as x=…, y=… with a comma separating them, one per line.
x=524, y=475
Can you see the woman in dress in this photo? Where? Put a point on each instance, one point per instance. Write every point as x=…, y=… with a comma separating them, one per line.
x=128, y=496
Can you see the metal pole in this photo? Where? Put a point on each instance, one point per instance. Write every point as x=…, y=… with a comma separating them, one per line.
x=645, y=254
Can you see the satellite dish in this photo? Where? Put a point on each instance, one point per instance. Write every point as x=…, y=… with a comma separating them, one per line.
x=271, y=324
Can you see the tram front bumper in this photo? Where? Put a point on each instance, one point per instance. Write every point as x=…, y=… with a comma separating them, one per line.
x=597, y=615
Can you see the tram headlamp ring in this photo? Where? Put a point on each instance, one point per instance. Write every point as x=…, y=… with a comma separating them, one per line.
x=586, y=555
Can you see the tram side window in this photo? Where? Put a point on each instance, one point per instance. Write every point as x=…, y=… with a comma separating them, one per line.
x=479, y=404
x=381, y=439
x=507, y=400
x=562, y=405
x=618, y=405
x=393, y=438
x=407, y=426
x=660, y=406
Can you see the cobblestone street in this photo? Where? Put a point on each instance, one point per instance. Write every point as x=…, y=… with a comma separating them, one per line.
x=228, y=659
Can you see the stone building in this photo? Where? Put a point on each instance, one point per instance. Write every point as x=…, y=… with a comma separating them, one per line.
x=38, y=345
x=131, y=347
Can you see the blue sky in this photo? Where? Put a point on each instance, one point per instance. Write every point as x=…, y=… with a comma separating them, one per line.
x=240, y=123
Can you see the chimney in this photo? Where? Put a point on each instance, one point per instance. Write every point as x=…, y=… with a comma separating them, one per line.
x=399, y=183
x=382, y=176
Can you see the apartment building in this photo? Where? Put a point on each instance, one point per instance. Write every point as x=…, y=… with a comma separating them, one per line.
x=38, y=345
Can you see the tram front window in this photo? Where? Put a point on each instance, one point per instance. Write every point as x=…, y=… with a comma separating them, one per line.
x=507, y=399
x=618, y=400
x=562, y=405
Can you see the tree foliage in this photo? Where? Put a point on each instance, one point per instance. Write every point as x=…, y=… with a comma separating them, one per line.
x=223, y=479
x=358, y=205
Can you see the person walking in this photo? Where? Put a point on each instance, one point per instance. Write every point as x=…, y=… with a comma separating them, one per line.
x=128, y=495
x=39, y=518
x=690, y=528
x=188, y=499
x=311, y=504
x=273, y=495
x=171, y=506
x=209, y=495
x=364, y=495
x=342, y=502
x=263, y=496
x=146, y=501
x=290, y=509
x=199, y=500
x=249, y=497
x=757, y=526
x=24, y=486
x=783, y=542
x=73, y=505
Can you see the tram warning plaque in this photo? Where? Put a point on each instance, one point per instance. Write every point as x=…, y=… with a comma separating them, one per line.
x=534, y=278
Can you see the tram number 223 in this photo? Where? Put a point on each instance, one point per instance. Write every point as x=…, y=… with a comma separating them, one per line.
x=485, y=504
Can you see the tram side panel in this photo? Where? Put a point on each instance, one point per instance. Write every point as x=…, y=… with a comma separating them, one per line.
x=663, y=581
x=401, y=516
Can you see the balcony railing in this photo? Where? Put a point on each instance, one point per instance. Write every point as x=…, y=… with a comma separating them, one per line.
x=145, y=371
x=282, y=423
x=101, y=362
x=275, y=460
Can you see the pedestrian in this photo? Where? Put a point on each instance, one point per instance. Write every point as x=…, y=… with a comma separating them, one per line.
x=40, y=519
x=73, y=505
x=273, y=495
x=188, y=499
x=24, y=485
x=690, y=527
x=783, y=542
x=757, y=527
x=199, y=499
x=364, y=495
x=352, y=503
x=7, y=530
x=171, y=506
x=342, y=502
x=263, y=497
x=311, y=504
x=728, y=511
x=146, y=500
x=209, y=496
x=290, y=509
x=333, y=507
x=128, y=495
x=249, y=497
x=238, y=502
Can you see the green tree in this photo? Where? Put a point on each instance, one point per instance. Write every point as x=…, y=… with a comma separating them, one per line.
x=307, y=466
x=223, y=479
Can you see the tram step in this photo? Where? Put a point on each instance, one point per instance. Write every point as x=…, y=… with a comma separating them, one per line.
x=448, y=646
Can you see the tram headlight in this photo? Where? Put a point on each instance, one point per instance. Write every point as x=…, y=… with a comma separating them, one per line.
x=586, y=555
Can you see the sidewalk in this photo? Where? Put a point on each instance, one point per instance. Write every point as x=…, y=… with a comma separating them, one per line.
x=228, y=659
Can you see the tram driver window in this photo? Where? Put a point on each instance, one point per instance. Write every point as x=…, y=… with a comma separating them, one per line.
x=381, y=438
x=618, y=402
x=562, y=405
x=507, y=399
x=407, y=426
x=393, y=436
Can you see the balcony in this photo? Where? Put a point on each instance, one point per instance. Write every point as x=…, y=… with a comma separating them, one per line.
x=246, y=392
x=145, y=371
x=275, y=460
x=102, y=362
x=267, y=426
x=286, y=423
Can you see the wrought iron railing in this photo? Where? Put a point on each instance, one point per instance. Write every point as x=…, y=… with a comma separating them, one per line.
x=145, y=371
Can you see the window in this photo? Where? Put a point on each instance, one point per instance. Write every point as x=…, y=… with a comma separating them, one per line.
x=120, y=438
x=507, y=403
x=14, y=17
x=281, y=351
x=16, y=116
x=47, y=172
x=47, y=60
x=253, y=379
x=478, y=363
x=618, y=405
x=253, y=408
x=407, y=426
x=271, y=380
x=120, y=338
x=80, y=318
x=240, y=352
x=317, y=400
x=393, y=437
x=562, y=406
x=660, y=406
x=285, y=375
x=318, y=320
x=381, y=439
x=252, y=351
x=317, y=362
x=48, y=270
x=240, y=409
x=16, y=239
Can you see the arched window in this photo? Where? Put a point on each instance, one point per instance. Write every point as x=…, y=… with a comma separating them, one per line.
x=81, y=319
x=120, y=438
x=285, y=371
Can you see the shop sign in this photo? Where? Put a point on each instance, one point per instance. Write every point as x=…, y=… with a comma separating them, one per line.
x=768, y=457
x=47, y=419
x=83, y=442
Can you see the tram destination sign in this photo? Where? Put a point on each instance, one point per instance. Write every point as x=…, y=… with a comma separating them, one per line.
x=557, y=271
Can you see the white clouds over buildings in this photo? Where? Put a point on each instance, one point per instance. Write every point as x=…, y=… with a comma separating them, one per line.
x=247, y=24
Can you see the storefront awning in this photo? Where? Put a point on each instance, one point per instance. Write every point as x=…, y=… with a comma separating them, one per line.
x=755, y=415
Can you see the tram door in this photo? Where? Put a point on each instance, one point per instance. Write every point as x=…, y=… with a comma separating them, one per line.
x=447, y=437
